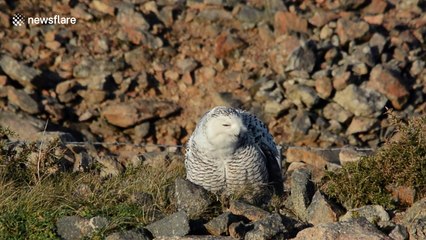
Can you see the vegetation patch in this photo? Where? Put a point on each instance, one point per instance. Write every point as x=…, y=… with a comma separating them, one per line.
x=30, y=206
x=400, y=162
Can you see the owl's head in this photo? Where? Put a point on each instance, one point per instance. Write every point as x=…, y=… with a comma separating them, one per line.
x=223, y=128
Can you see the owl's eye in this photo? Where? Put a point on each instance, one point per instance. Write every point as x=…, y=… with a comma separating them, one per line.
x=226, y=124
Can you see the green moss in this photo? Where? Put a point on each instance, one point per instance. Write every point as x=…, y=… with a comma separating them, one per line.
x=397, y=163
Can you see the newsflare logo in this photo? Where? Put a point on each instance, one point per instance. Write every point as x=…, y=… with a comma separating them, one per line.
x=19, y=20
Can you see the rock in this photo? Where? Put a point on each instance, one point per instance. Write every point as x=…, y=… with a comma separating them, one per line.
x=249, y=211
x=302, y=190
x=341, y=80
x=219, y=225
x=301, y=123
x=334, y=111
x=324, y=87
x=191, y=198
x=23, y=125
x=364, y=54
x=360, y=101
x=321, y=210
x=121, y=115
x=138, y=58
x=237, y=230
x=270, y=227
x=378, y=42
x=91, y=68
x=361, y=124
x=321, y=17
x=318, y=158
x=21, y=99
x=186, y=65
x=75, y=227
x=286, y=22
x=133, y=112
x=249, y=14
x=417, y=211
x=373, y=213
x=354, y=229
x=375, y=7
x=349, y=154
x=176, y=224
x=417, y=229
x=348, y=30
x=399, y=233
x=388, y=82
x=226, y=43
x=302, y=58
x=18, y=71
x=299, y=94
x=128, y=17
x=196, y=237
x=128, y=235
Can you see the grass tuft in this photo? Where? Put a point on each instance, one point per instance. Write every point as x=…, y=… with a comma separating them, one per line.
x=397, y=163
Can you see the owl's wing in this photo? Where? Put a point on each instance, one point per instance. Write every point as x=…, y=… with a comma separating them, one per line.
x=266, y=143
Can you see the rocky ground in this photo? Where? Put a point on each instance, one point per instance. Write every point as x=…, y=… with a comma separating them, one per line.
x=319, y=73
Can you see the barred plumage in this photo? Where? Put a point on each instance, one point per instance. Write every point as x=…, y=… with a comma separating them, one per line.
x=231, y=149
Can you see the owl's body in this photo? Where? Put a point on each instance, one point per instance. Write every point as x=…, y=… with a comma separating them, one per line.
x=231, y=149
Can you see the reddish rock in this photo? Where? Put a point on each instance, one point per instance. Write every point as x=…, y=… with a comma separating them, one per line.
x=286, y=22
x=315, y=157
x=375, y=7
x=321, y=17
x=389, y=84
x=225, y=43
x=348, y=30
x=21, y=99
x=342, y=80
x=324, y=87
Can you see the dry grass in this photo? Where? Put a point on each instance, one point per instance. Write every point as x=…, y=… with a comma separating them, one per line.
x=31, y=200
x=397, y=163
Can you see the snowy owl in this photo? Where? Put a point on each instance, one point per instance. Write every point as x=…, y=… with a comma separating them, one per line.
x=231, y=149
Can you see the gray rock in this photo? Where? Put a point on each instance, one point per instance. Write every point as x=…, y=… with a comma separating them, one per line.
x=75, y=227
x=360, y=101
x=219, y=225
x=270, y=227
x=128, y=235
x=399, y=233
x=321, y=210
x=21, y=99
x=302, y=190
x=299, y=94
x=176, y=224
x=373, y=213
x=301, y=123
x=364, y=54
x=378, y=42
x=302, y=58
x=191, y=198
x=249, y=14
x=415, y=220
x=18, y=71
x=128, y=17
x=355, y=229
x=89, y=68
